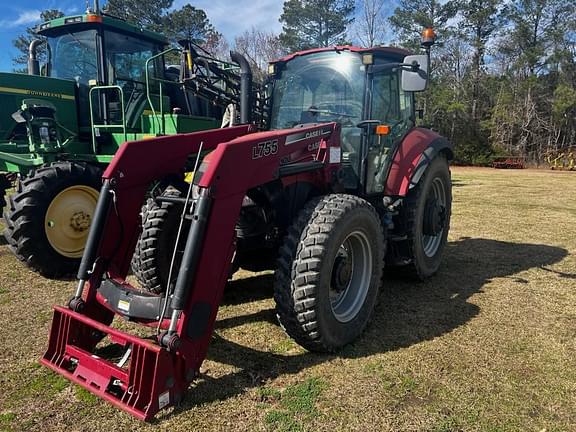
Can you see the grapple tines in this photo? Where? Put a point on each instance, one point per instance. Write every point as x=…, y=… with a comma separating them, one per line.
x=142, y=386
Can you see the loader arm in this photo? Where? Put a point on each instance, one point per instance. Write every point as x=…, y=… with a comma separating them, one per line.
x=159, y=373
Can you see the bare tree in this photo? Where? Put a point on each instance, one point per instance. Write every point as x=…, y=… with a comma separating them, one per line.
x=217, y=45
x=259, y=47
x=370, y=24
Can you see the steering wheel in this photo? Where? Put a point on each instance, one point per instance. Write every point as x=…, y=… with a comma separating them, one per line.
x=328, y=108
x=314, y=112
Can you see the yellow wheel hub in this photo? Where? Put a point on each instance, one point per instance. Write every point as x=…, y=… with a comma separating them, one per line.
x=68, y=219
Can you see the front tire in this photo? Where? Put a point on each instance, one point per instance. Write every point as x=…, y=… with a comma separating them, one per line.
x=48, y=217
x=329, y=272
x=155, y=246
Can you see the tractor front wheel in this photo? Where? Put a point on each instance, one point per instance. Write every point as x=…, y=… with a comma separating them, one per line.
x=48, y=217
x=155, y=246
x=426, y=216
x=329, y=272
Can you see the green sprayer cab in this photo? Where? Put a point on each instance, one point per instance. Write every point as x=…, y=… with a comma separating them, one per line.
x=103, y=82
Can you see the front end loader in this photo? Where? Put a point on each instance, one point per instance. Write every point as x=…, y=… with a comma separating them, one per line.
x=340, y=185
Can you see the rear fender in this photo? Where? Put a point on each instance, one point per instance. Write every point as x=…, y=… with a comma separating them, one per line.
x=416, y=151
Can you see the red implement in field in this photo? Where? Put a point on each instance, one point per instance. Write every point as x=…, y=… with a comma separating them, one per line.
x=509, y=162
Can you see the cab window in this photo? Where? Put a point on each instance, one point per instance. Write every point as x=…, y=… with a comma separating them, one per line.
x=74, y=56
x=126, y=57
x=385, y=97
x=392, y=107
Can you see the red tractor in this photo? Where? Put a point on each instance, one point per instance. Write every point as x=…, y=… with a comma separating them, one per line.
x=341, y=184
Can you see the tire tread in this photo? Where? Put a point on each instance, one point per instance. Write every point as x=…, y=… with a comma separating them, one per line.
x=298, y=266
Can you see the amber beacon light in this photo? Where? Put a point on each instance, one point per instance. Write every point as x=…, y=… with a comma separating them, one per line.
x=428, y=37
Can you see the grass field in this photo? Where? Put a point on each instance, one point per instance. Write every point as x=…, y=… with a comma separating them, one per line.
x=488, y=344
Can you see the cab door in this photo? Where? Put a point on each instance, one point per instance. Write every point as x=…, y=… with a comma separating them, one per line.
x=393, y=109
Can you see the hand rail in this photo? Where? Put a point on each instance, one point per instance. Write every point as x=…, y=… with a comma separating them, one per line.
x=106, y=126
x=161, y=126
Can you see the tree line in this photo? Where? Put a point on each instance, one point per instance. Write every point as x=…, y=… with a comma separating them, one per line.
x=503, y=71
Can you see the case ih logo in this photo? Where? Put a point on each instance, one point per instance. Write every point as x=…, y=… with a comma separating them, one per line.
x=300, y=136
x=263, y=149
x=314, y=146
x=313, y=134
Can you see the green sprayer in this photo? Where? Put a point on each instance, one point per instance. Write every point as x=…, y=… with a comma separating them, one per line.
x=102, y=82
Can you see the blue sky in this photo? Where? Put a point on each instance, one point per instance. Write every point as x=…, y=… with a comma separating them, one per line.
x=16, y=16
x=230, y=18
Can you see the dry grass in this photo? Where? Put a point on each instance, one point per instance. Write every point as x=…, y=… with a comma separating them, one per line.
x=486, y=345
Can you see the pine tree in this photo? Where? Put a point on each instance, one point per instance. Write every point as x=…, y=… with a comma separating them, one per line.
x=480, y=18
x=189, y=23
x=315, y=23
x=411, y=16
x=148, y=14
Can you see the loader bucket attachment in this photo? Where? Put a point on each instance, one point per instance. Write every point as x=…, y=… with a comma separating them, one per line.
x=141, y=388
x=153, y=373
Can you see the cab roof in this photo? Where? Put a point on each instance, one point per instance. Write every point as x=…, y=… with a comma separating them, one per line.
x=396, y=53
x=92, y=20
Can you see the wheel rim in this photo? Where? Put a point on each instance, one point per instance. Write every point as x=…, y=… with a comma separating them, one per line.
x=350, y=278
x=68, y=220
x=435, y=208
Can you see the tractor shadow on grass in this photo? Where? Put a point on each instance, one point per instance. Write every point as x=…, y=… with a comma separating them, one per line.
x=408, y=313
x=249, y=289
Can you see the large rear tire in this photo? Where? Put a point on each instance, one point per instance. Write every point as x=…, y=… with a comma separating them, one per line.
x=5, y=184
x=426, y=214
x=329, y=272
x=48, y=217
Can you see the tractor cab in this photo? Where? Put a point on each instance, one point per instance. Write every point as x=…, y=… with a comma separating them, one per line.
x=369, y=92
x=98, y=50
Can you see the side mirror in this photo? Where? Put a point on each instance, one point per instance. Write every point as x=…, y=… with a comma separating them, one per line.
x=415, y=78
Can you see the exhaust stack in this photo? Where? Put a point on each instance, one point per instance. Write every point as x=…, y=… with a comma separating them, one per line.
x=33, y=63
x=245, y=86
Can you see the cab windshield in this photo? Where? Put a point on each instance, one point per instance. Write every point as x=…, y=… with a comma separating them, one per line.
x=74, y=56
x=323, y=87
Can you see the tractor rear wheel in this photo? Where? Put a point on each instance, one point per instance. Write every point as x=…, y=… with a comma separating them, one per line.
x=155, y=246
x=426, y=216
x=5, y=184
x=48, y=217
x=329, y=272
